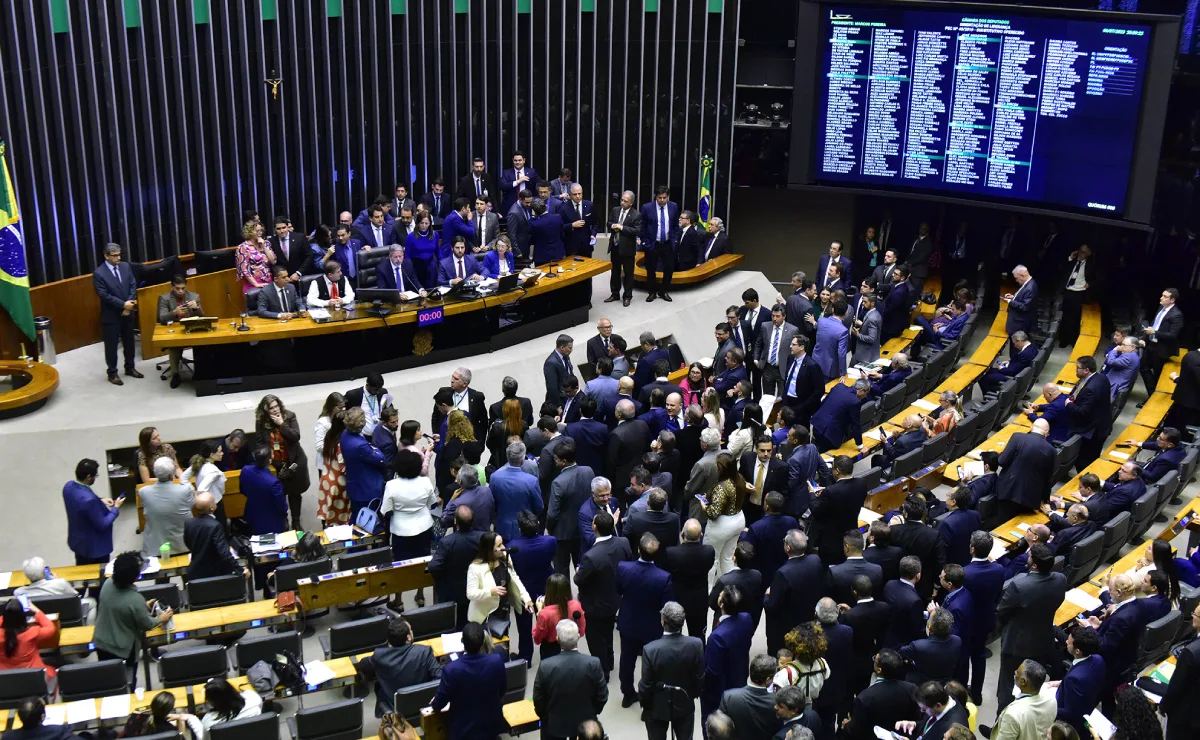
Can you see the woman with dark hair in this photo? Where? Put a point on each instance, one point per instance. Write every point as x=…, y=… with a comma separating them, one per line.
x=226, y=704
x=493, y=586
x=1134, y=717
x=207, y=476
x=693, y=385
x=163, y=718
x=123, y=614
x=308, y=549
x=277, y=428
x=21, y=639
x=1158, y=556
x=150, y=448
x=742, y=439
x=807, y=669
x=410, y=432
x=510, y=424
x=554, y=607
x=725, y=518
x=333, y=402
x=333, y=505
x=408, y=498
x=422, y=246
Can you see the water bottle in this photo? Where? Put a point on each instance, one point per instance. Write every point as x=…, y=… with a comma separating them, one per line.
x=164, y=554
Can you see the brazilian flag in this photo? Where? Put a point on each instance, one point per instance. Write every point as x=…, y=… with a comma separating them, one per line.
x=14, y=278
x=706, y=167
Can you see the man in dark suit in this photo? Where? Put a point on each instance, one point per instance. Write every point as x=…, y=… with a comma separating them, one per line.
x=835, y=510
x=465, y=398
x=897, y=305
x=1161, y=338
x=401, y=201
x=205, y=539
x=662, y=371
x=748, y=582
x=983, y=579
x=437, y=201
x=477, y=183
x=839, y=654
x=1080, y=690
x=1026, y=472
x=1185, y=407
x=1022, y=305
x=672, y=678
x=450, y=561
x=606, y=409
x=517, y=222
x=571, y=488
x=1120, y=632
x=692, y=240
x=485, y=226
x=1054, y=412
x=915, y=537
x=803, y=382
x=799, y=306
x=515, y=180
x=843, y=575
x=934, y=658
x=900, y=444
x=398, y=273
x=117, y=288
x=717, y=242
x=941, y=713
x=1089, y=408
x=624, y=225
x=837, y=419
x=1180, y=703
x=596, y=579
x=751, y=707
x=881, y=551
x=918, y=257
x=765, y=473
x=689, y=563
x=767, y=536
x=794, y=590
x=908, y=608
x=580, y=221
x=1070, y=529
x=868, y=619
x=1025, y=616
x=474, y=686
x=557, y=367
x=459, y=266
x=659, y=235
x=956, y=528
x=645, y=589
x=375, y=233
x=1168, y=454
x=1021, y=354
x=508, y=389
x=291, y=250
x=629, y=440
x=727, y=653
x=280, y=299
x=835, y=255
x=658, y=521
x=399, y=665
x=590, y=436
x=599, y=345
x=569, y=687
x=884, y=703
x=883, y=274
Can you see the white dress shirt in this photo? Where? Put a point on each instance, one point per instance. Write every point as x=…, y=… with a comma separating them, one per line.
x=314, y=292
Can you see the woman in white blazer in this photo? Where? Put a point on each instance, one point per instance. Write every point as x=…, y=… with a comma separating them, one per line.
x=409, y=498
x=493, y=586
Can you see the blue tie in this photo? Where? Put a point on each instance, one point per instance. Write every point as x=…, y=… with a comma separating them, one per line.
x=399, y=280
x=662, y=223
x=790, y=388
x=774, y=357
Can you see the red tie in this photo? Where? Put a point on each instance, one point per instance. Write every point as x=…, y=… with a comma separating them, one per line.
x=333, y=292
x=460, y=269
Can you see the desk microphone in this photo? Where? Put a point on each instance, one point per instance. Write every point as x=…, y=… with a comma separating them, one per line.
x=229, y=296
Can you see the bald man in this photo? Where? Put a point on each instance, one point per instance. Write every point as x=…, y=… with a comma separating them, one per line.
x=607, y=410
x=1053, y=411
x=205, y=538
x=1026, y=471
x=689, y=563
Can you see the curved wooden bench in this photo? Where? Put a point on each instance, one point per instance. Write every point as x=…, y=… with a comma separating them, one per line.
x=698, y=274
x=41, y=382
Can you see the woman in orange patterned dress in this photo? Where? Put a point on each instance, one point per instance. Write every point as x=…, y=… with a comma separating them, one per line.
x=333, y=505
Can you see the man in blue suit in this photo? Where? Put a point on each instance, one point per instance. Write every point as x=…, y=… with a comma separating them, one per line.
x=1118, y=492
x=907, y=622
x=900, y=444
x=516, y=179
x=376, y=233
x=984, y=580
x=838, y=419
x=398, y=273
x=659, y=237
x=458, y=223
x=805, y=464
x=1022, y=305
x=474, y=687
x=896, y=373
x=934, y=658
x=591, y=437
x=1053, y=411
x=956, y=529
x=1089, y=408
x=459, y=266
x=1168, y=454
x=517, y=218
x=366, y=469
x=767, y=535
x=1121, y=365
x=835, y=253
x=546, y=231
x=958, y=602
x=345, y=251
x=727, y=652
x=897, y=305
x=89, y=517
x=645, y=589
x=581, y=223
x=833, y=341
x=364, y=216
x=1121, y=630
x=532, y=555
x=1021, y=354
x=600, y=500
x=117, y=288
x=942, y=333
x=1079, y=691
x=266, y=505
x=651, y=353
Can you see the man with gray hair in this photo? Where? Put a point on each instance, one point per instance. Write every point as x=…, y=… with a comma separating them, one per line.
x=1031, y=714
x=625, y=223
x=627, y=442
x=42, y=583
x=477, y=498
x=839, y=654
x=934, y=658
x=462, y=397
x=794, y=591
x=837, y=420
x=601, y=500
x=672, y=676
x=1021, y=354
x=514, y=490
x=1022, y=305
x=718, y=726
x=569, y=687
x=703, y=476
x=718, y=242
x=167, y=506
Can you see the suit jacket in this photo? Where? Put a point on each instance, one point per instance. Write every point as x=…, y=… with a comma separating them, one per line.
x=546, y=237
x=1068, y=536
x=474, y=686
x=1025, y=614
x=1020, y=359
x=555, y=372
x=794, y=593
x=649, y=234
x=883, y=278
x=591, y=443
x=955, y=535
x=714, y=246
x=510, y=190
x=113, y=293
x=643, y=375
x=366, y=234
x=688, y=563
x=298, y=258
x=205, y=538
x=796, y=308
x=595, y=349
x=466, y=189
x=897, y=309
x=1026, y=470
x=907, y=618
x=833, y=341
x=644, y=588
x=596, y=577
x=752, y=710
x=1090, y=410
x=385, y=276
x=447, y=270
x=1079, y=691
x=839, y=654
x=569, y=688
x=627, y=443
x=918, y=257
x=1121, y=368
x=767, y=535
x=1056, y=415
x=869, y=338
x=1022, y=309
x=266, y=505
x=932, y=659
x=937, y=729
x=366, y=468
x=1121, y=632
x=664, y=525
x=495, y=410
x=884, y=704
x=578, y=240
x=774, y=479
x=691, y=243
x=89, y=521
x=476, y=410
x=449, y=565
x=439, y=206
x=917, y=538
x=750, y=583
x=671, y=660
x=624, y=241
x=726, y=659
x=1187, y=387
x=166, y=307
x=887, y=558
x=1166, y=339
x=869, y=622
x=842, y=575
x=667, y=388
x=395, y=668
x=1180, y=702
x=269, y=305
x=568, y=492
x=837, y=419
x=1162, y=463
x=533, y=557
x=517, y=225
x=901, y=445
x=823, y=269
x=810, y=387
x=763, y=342
x=835, y=512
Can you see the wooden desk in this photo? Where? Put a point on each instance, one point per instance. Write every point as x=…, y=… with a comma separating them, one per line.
x=235, y=500
x=1014, y=529
x=1177, y=525
x=1155, y=411
x=38, y=382
x=1089, y=324
x=698, y=274
x=988, y=350
x=365, y=583
x=1100, y=467
x=520, y=716
x=994, y=443
x=962, y=378
x=1124, y=454
x=850, y=449
x=1086, y=346
x=999, y=326
x=900, y=343
x=1068, y=610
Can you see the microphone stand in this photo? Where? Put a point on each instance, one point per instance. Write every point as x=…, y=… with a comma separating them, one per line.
x=229, y=297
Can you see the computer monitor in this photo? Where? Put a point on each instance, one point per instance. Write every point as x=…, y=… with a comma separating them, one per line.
x=384, y=295
x=213, y=261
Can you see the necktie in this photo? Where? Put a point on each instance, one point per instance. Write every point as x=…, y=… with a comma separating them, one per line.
x=283, y=300
x=621, y=220
x=791, y=384
x=478, y=186
x=460, y=268
x=566, y=406
x=566, y=364
x=579, y=211
x=117, y=274
x=679, y=422
x=399, y=279
x=774, y=356
x=759, y=477
x=606, y=345
x=1158, y=319
x=528, y=215
x=960, y=250
x=479, y=228
x=333, y=292
x=437, y=204
x=283, y=245
x=737, y=337
x=662, y=223
x=378, y=237
x=708, y=249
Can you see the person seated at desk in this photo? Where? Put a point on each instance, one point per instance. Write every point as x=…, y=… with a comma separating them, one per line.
x=21, y=638
x=1021, y=354
x=459, y=266
x=179, y=303
x=1169, y=456
x=910, y=439
x=32, y=713
x=280, y=300
x=883, y=381
x=499, y=262
x=227, y=704
x=947, y=415
x=1053, y=412
x=1117, y=493
x=399, y=665
x=942, y=333
x=42, y=583
x=1070, y=529
x=474, y=687
x=983, y=485
x=398, y=274
x=332, y=289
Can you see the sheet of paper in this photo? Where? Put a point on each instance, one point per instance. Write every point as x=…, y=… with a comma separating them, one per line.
x=82, y=711
x=287, y=539
x=883, y=734
x=876, y=434
x=1083, y=600
x=151, y=566
x=915, y=327
x=452, y=642
x=1100, y=725
x=115, y=707
x=921, y=403
x=1066, y=389
x=1119, y=455
x=241, y=405
x=318, y=314
x=868, y=516
x=1023, y=526
x=408, y=295
x=883, y=362
x=999, y=549
x=1163, y=672
x=339, y=532
x=854, y=373
x=317, y=673
x=975, y=455
x=975, y=468
x=4, y=579
x=56, y=714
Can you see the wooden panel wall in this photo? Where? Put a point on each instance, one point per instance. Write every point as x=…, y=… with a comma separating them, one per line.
x=213, y=299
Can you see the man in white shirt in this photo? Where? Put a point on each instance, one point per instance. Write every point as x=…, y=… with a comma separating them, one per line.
x=331, y=290
x=1076, y=293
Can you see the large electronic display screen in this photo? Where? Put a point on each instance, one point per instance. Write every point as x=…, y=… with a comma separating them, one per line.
x=982, y=102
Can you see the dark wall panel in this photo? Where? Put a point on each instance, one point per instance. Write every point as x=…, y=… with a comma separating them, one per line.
x=153, y=124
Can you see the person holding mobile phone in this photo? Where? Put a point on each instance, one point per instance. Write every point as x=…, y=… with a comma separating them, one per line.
x=89, y=516
x=277, y=428
x=21, y=638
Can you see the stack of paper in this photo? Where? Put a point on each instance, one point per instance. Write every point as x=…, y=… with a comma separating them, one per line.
x=115, y=707
x=4, y=579
x=287, y=539
x=452, y=642
x=339, y=532
x=317, y=673
x=999, y=549
x=259, y=548
x=921, y=403
x=868, y=516
x=1119, y=455
x=876, y=434
x=56, y=714
x=1163, y=672
x=84, y=710
x=318, y=314
x=150, y=566
x=1100, y=725
x=1083, y=600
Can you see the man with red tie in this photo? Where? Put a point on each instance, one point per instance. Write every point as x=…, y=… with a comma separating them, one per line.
x=459, y=266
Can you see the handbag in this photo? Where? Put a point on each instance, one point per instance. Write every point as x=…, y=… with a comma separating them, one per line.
x=393, y=726
x=368, y=518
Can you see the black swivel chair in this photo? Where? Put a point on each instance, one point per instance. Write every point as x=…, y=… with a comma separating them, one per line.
x=263, y=727
x=358, y=636
x=341, y=720
x=367, y=263
x=1085, y=556
x=250, y=650
x=431, y=621
x=68, y=608
x=193, y=665
x=166, y=593
x=206, y=593
x=92, y=680
x=517, y=673
x=19, y=683
x=365, y=558
x=410, y=700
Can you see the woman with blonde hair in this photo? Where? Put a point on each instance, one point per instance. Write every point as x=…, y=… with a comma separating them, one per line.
x=946, y=417
x=710, y=401
x=493, y=587
x=253, y=258
x=459, y=434
x=725, y=518
x=510, y=424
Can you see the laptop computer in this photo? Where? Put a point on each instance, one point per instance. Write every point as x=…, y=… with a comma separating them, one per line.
x=507, y=282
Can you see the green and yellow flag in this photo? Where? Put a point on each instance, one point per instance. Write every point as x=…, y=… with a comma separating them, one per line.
x=706, y=166
x=14, y=277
